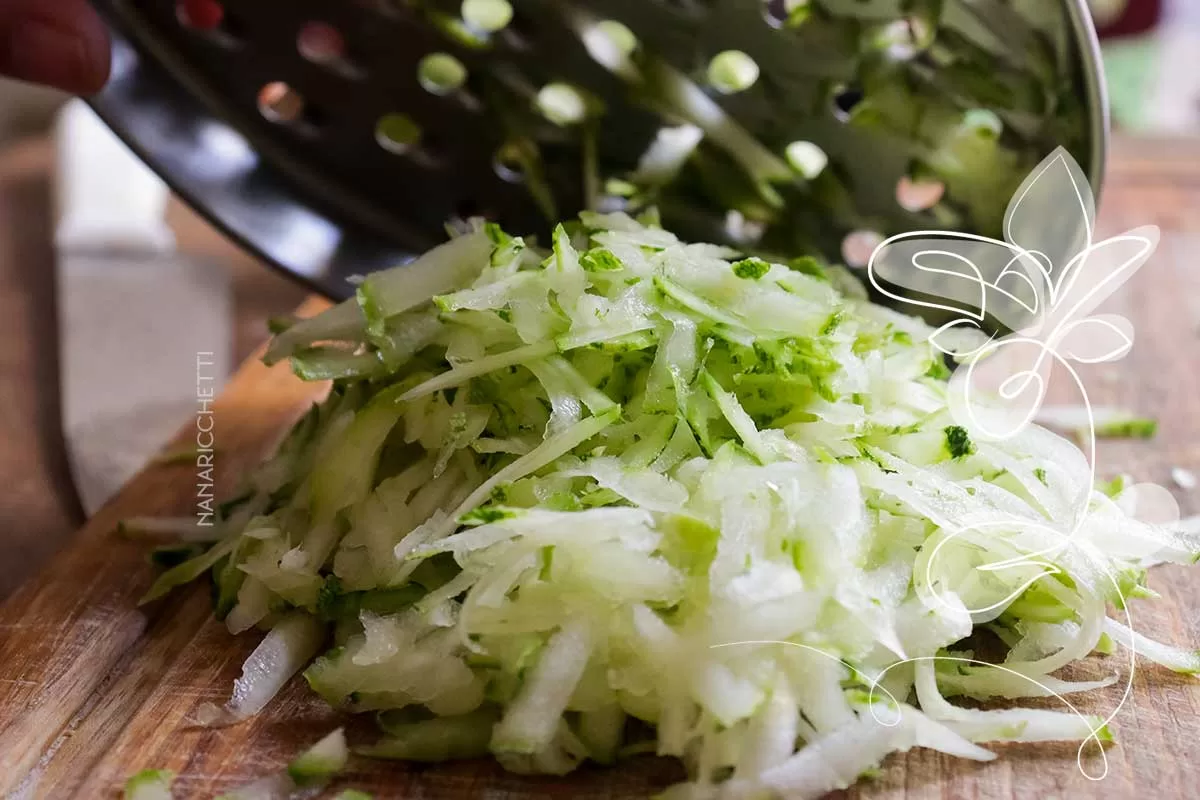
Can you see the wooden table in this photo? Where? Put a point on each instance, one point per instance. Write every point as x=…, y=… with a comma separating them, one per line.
x=95, y=727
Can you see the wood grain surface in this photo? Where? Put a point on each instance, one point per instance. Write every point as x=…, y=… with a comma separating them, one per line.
x=93, y=689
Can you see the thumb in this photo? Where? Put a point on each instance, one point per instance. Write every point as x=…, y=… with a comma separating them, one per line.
x=58, y=43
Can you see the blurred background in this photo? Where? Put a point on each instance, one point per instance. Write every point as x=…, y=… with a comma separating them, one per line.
x=1150, y=54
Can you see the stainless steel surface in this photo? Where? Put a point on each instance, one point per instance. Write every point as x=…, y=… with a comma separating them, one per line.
x=144, y=330
x=131, y=332
x=316, y=195
x=1092, y=72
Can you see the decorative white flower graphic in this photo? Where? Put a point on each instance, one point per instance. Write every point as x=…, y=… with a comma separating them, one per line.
x=1039, y=287
x=1041, y=284
x=1011, y=310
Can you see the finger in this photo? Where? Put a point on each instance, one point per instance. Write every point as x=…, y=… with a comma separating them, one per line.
x=59, y=43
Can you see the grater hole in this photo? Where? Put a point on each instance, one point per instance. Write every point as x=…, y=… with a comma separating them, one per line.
x=806, y=158
x=903, y=39
x=984, y=122
x=561, y=103
x=616, y=196
x=610, y=43
x=919, y=194
x=441, y=73
x=200, y=15
x=859, y=246
x=508, y=164
x=845, y=100
x=732, y=71
x=786, y=13
x=278, y=102
x=741, y=230
x=321, y=43
x=397, y=133
x=487, y=16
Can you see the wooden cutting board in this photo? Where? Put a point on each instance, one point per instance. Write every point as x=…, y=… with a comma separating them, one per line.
x=93, y=689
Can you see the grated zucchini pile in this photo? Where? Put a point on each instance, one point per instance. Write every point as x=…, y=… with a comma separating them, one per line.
x=555, y=493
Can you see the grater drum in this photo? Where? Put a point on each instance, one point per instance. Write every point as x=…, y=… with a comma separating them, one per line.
x=310, y=132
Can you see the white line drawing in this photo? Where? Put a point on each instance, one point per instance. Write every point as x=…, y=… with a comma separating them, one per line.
x=1041, y=285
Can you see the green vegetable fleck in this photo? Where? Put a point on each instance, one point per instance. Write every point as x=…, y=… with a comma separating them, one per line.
x=751, y=268
x=600, y=260
x=809, y=266
x=321, y=762
x=1136, y=428
x=486, y=515
x=150, y=784
x=958, y=442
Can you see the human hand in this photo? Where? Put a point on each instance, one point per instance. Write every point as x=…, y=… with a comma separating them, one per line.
x=58, y=43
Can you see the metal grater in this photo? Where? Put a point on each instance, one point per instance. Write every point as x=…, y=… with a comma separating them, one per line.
x=309, y=131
